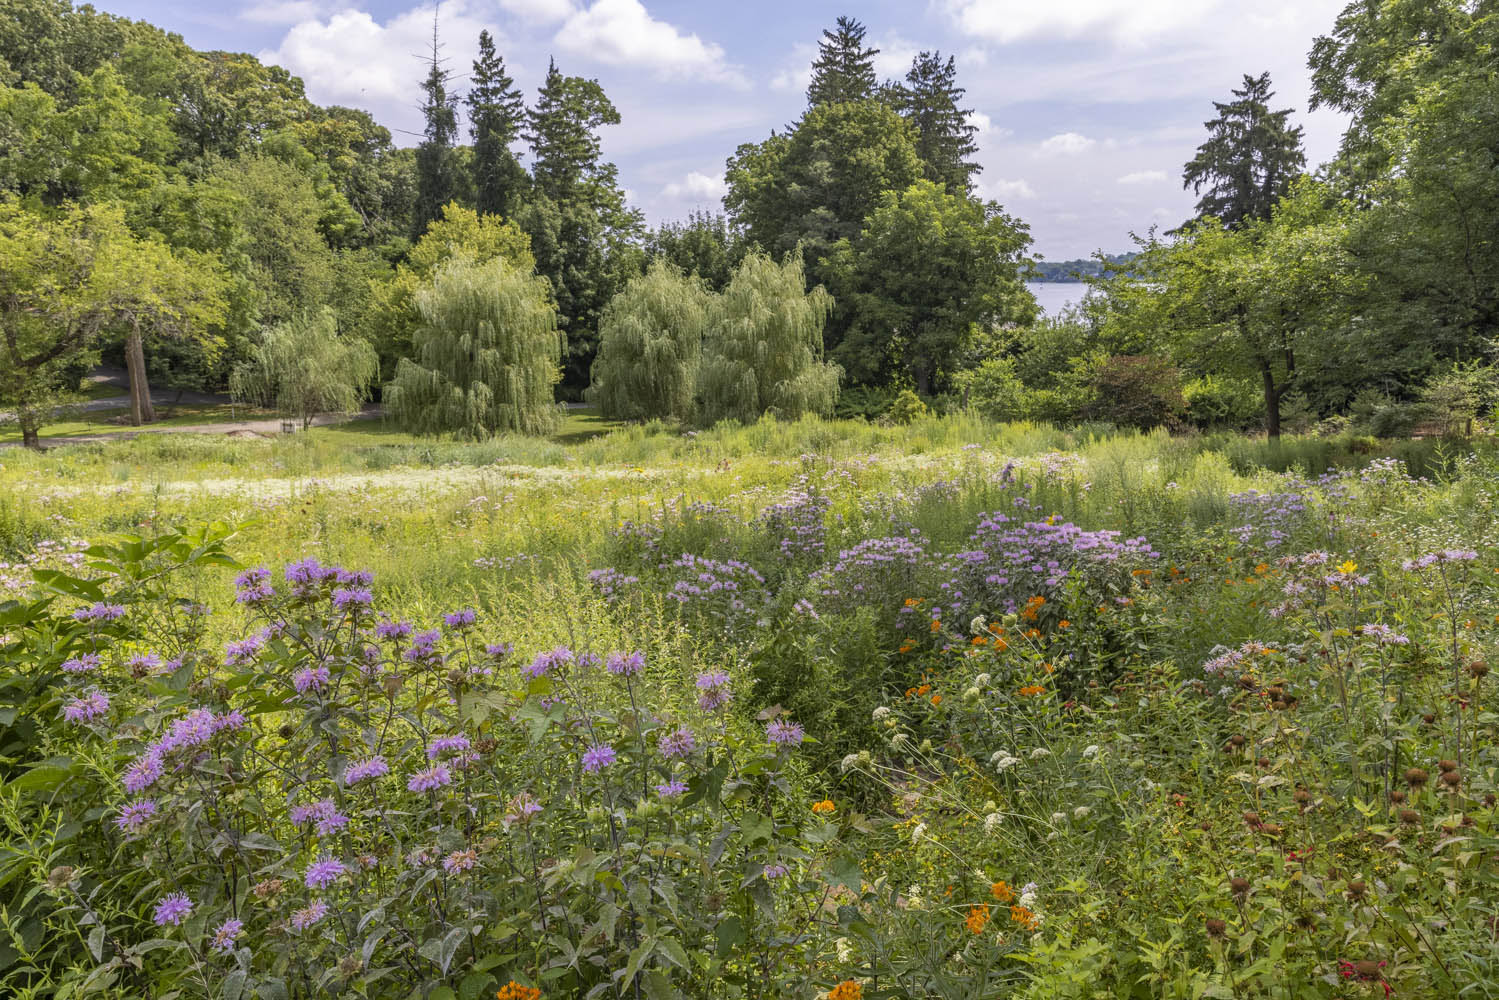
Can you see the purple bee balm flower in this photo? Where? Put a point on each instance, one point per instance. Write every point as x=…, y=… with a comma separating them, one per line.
x=135, y=815
x=355, y=577
x=146, y=665
x=375, y=767
x=671, y=789
x=172, y=909
x=352, y=598
x=625, y=665
x=309, y=915
x=424, y=647
x=434, y=777
x=254, y=586
x=545, y=663
x=785, y=734
x=308, y=575
x=323, y=872
x=460, y=619
x=100, y=613
x=677, y=744
x=714, y=686
x=775, y=871
x=392, y=630
x=460, y=861
x=143, y=773
x=598, y=757
x=85, y=664
x=447, y=744
x=228, y=932
x=239, y=654
x=87, y=708
x=522, y=808
x=311, y=679
x=499, y=650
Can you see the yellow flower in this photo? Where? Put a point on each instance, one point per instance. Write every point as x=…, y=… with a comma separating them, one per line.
x=1348, y=567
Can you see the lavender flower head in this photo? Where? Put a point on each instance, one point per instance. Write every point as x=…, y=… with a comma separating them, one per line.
x=432, y=778
x=172, y=909
x=677, y=744
x=352, y=598
x=775, y=871
x=625, y=665
x=85, y=664
x=375, y=767
x=671, y=789
x=239, y=654
x=522, y=808
x=309, y=915
x=460, y=861
x=147, y=665
x=100, y=613
x=392, y=630
x=87, y=708
x=323, y=872
x=311, y=679
x=135, y=815
x=714, y=686
x=460, y=619
x=254, y=586
x=545, y=663
x=598, y=757
x=457, y=743
x=228, y=932
x=307, y=576
x=499, y=650
x=785, y=734
x=424, y=647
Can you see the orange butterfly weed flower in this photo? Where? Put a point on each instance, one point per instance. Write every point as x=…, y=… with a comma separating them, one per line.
x=1024, y=917
x=849, y=989
x=936, y=699
x=825, y=806
x=515, y=991
x=1031, y=689
x=1001, y=891
x=977, y=919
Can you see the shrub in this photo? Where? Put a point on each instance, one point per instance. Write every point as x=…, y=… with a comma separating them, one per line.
x=994, y=390
x=1136, y=391
x=907, y=407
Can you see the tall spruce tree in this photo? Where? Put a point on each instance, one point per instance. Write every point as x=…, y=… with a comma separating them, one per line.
x=436, y=169
x=931, y=100
x=562, y=130
x=495, y=114
x=844, y=68
x=1250, y=158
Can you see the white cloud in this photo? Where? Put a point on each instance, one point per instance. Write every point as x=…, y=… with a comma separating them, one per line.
x=697, y=186
x=1130, y=22
x=539, y=11
x=623, y=33
x=1065, y=144
x=893, y=61
x=986, y=126
x=1144, y=177
x=1000, y=189
x=350, y=58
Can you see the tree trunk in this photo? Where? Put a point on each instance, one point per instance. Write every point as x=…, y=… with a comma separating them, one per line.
x=923, y=376
x=140, y=391
x=30, y=436
x=1272, y=404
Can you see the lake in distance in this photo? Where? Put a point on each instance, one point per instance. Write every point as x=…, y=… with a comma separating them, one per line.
x=1054, y=296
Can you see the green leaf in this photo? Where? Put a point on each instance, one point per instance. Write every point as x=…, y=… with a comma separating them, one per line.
x=730, y=936
x=96, y=943
x=234, y=985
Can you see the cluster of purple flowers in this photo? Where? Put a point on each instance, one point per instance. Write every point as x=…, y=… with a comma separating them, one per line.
x=727, y=589
x=323, y=814
x=785, y=735
x=315, y=679
x=713, y=688
x=598, y=757
x=431, y=779
x=877, y=572
x=462, y=619
x=85, y=664
x=1445, y=557
x=1012, y=561
x=243, y=651
x=424, y=648
x=548, y=662
x=253, y=587
x=374, y=767
x=135, y=815
x=323, y=873
x=800, y=520
x=190, y=732
x=87, y=708
x=1268, y=519
x=611, y=583
x=101, y=612
x=677, y=744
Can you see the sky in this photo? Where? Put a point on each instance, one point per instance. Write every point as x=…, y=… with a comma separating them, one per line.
x=1086, y=109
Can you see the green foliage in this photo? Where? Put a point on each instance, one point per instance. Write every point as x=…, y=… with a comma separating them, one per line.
x=844, y=69
x=764, y=348
x=1249, y=160
x=931, y=100
x=496, y=111
x=994, y=389
x=303, y=367
x=705, y=245
x=436, y=165
x=907, y=407
x=926, y=270
x=486, y=354
x=1214, y=401
x=1136, y=391
x=650, y=347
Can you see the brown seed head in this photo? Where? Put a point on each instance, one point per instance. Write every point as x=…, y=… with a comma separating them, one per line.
x=1447, y=765
x=60, y=876
x=1415, y=777
x=1252, y=818
x=1302, y=795
x=1240, y=886
x=1451, y=779
x=1237, y=739
x=1429, y=719
x=1215, y=927
x=1410, y=817
x=1478, y=668
x=1397, y=796
x=1356, y=888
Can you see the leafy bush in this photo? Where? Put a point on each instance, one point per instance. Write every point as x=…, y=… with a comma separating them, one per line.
x=907, y=407
x=1215, y=401
x=1136, y=391
x=994, y=390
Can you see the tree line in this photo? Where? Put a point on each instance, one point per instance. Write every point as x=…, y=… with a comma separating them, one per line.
x=195, y=217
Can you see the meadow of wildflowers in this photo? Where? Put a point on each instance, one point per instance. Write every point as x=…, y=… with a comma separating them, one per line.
x=809, y=710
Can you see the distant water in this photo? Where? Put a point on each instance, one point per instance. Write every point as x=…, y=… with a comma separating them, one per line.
x=1054, y=296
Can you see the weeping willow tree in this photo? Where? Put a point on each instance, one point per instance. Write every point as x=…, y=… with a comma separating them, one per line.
x=763, y=353
x=487, y=354
x=651, y=346
x=302, y=367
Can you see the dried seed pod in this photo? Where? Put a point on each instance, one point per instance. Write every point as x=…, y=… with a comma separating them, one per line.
x=1415, y=777
x=1252, y=818
x=1397, y=796
x=1447, y=765
x=1215, y=927
x=1451, y=779
x=1356, y=888
x=1410, y=817
x=1239, y=886
x=1302, y=795
x=1237, y=739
